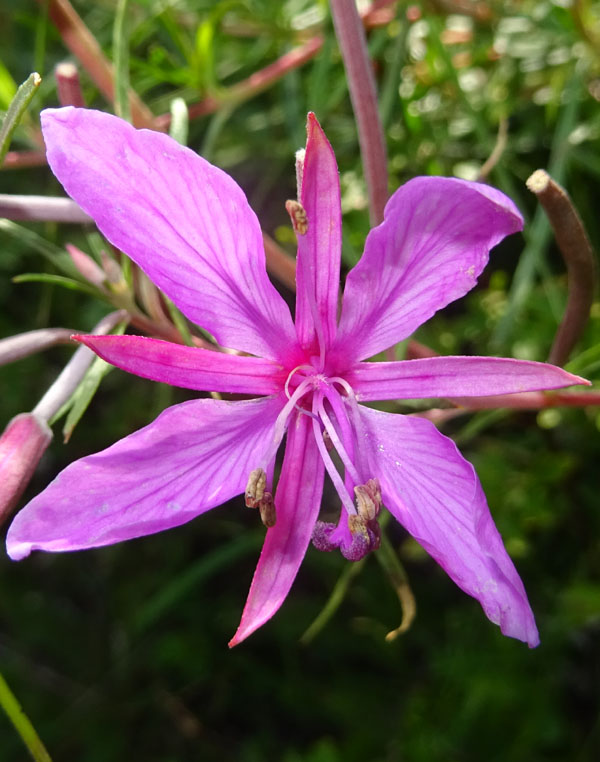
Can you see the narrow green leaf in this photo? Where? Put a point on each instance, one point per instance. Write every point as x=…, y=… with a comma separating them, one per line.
x=8, y=87
x=121, y=56
x=54, y=254
x=16, y=110
x=83, y=395
x=585, y=362
x=205, y=67
x=59, y=280
x=539, y=232
x=180, y=322
x=22, y=723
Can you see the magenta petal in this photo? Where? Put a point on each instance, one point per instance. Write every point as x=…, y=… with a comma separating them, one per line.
x=454, y=377
x=186, y=223
x=297, y=504
x=193, y=457
x=428, y=251
x=319, y=248
x=189, y=367
x=436, y=495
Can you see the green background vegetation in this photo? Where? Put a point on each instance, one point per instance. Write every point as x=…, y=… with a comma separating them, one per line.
x=121, y=653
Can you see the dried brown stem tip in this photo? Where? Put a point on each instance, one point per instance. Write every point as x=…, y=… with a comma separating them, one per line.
x=577, y=252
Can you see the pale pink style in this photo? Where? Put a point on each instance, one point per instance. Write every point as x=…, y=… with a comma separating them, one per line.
x=189, y=227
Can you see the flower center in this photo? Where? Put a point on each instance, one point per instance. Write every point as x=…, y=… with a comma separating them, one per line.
x=331, y=404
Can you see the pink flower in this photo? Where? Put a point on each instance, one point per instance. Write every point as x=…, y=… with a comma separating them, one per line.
x=189, y=227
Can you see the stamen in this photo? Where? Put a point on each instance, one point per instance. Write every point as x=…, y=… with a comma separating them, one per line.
x=362, y=532
x=291, y=373
x=368, y=499
x=281, y=421
x=267, y=510
x=338, y=483
x=344, y=384
x=298, y=216
x=333, y=435
x=356, y=422
x=255, y=489
x=257, y=497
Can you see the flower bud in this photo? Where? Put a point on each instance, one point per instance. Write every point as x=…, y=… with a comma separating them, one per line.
x=21, y=447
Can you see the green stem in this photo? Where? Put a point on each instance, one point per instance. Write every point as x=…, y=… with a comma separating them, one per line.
x=121, y=51
x=335, y=599
x=21, y=723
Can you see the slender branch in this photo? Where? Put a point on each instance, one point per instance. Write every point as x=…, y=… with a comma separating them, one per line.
x=361, y=83
x=84, y=46
x=577, y=252
x=24, y=159
x=498, y=150
x=254, y=84
x=74, y=371
x=24, y=344
x=41, y=208
x=378, y=14
x=280, y=263
x=529, y=400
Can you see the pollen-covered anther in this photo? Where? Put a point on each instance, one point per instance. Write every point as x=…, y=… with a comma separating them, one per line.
x=255, y=488
x=298, y=216
x=267, y=510
x=368, y=500
x=256, y=496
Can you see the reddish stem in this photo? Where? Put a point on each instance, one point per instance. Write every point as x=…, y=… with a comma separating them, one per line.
x=84, y=46
x=23, y=159
x=280, y=263
x=363, y=94
x=378, y=14
x=529, y=400
x=254, y=84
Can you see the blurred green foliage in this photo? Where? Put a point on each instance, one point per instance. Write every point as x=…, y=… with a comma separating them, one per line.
x=120, y=653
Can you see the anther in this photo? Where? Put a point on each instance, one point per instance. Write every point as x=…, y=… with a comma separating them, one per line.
x=256, y=497
x=267, y=510
x=298, y=216
x=368, y=499
x=255, y=489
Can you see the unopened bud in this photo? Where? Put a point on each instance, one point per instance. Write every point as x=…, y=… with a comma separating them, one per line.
x=86, y=265
x=113, y=272
x=21, y=446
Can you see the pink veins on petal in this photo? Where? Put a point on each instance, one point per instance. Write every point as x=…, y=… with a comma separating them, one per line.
x=188, y=225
